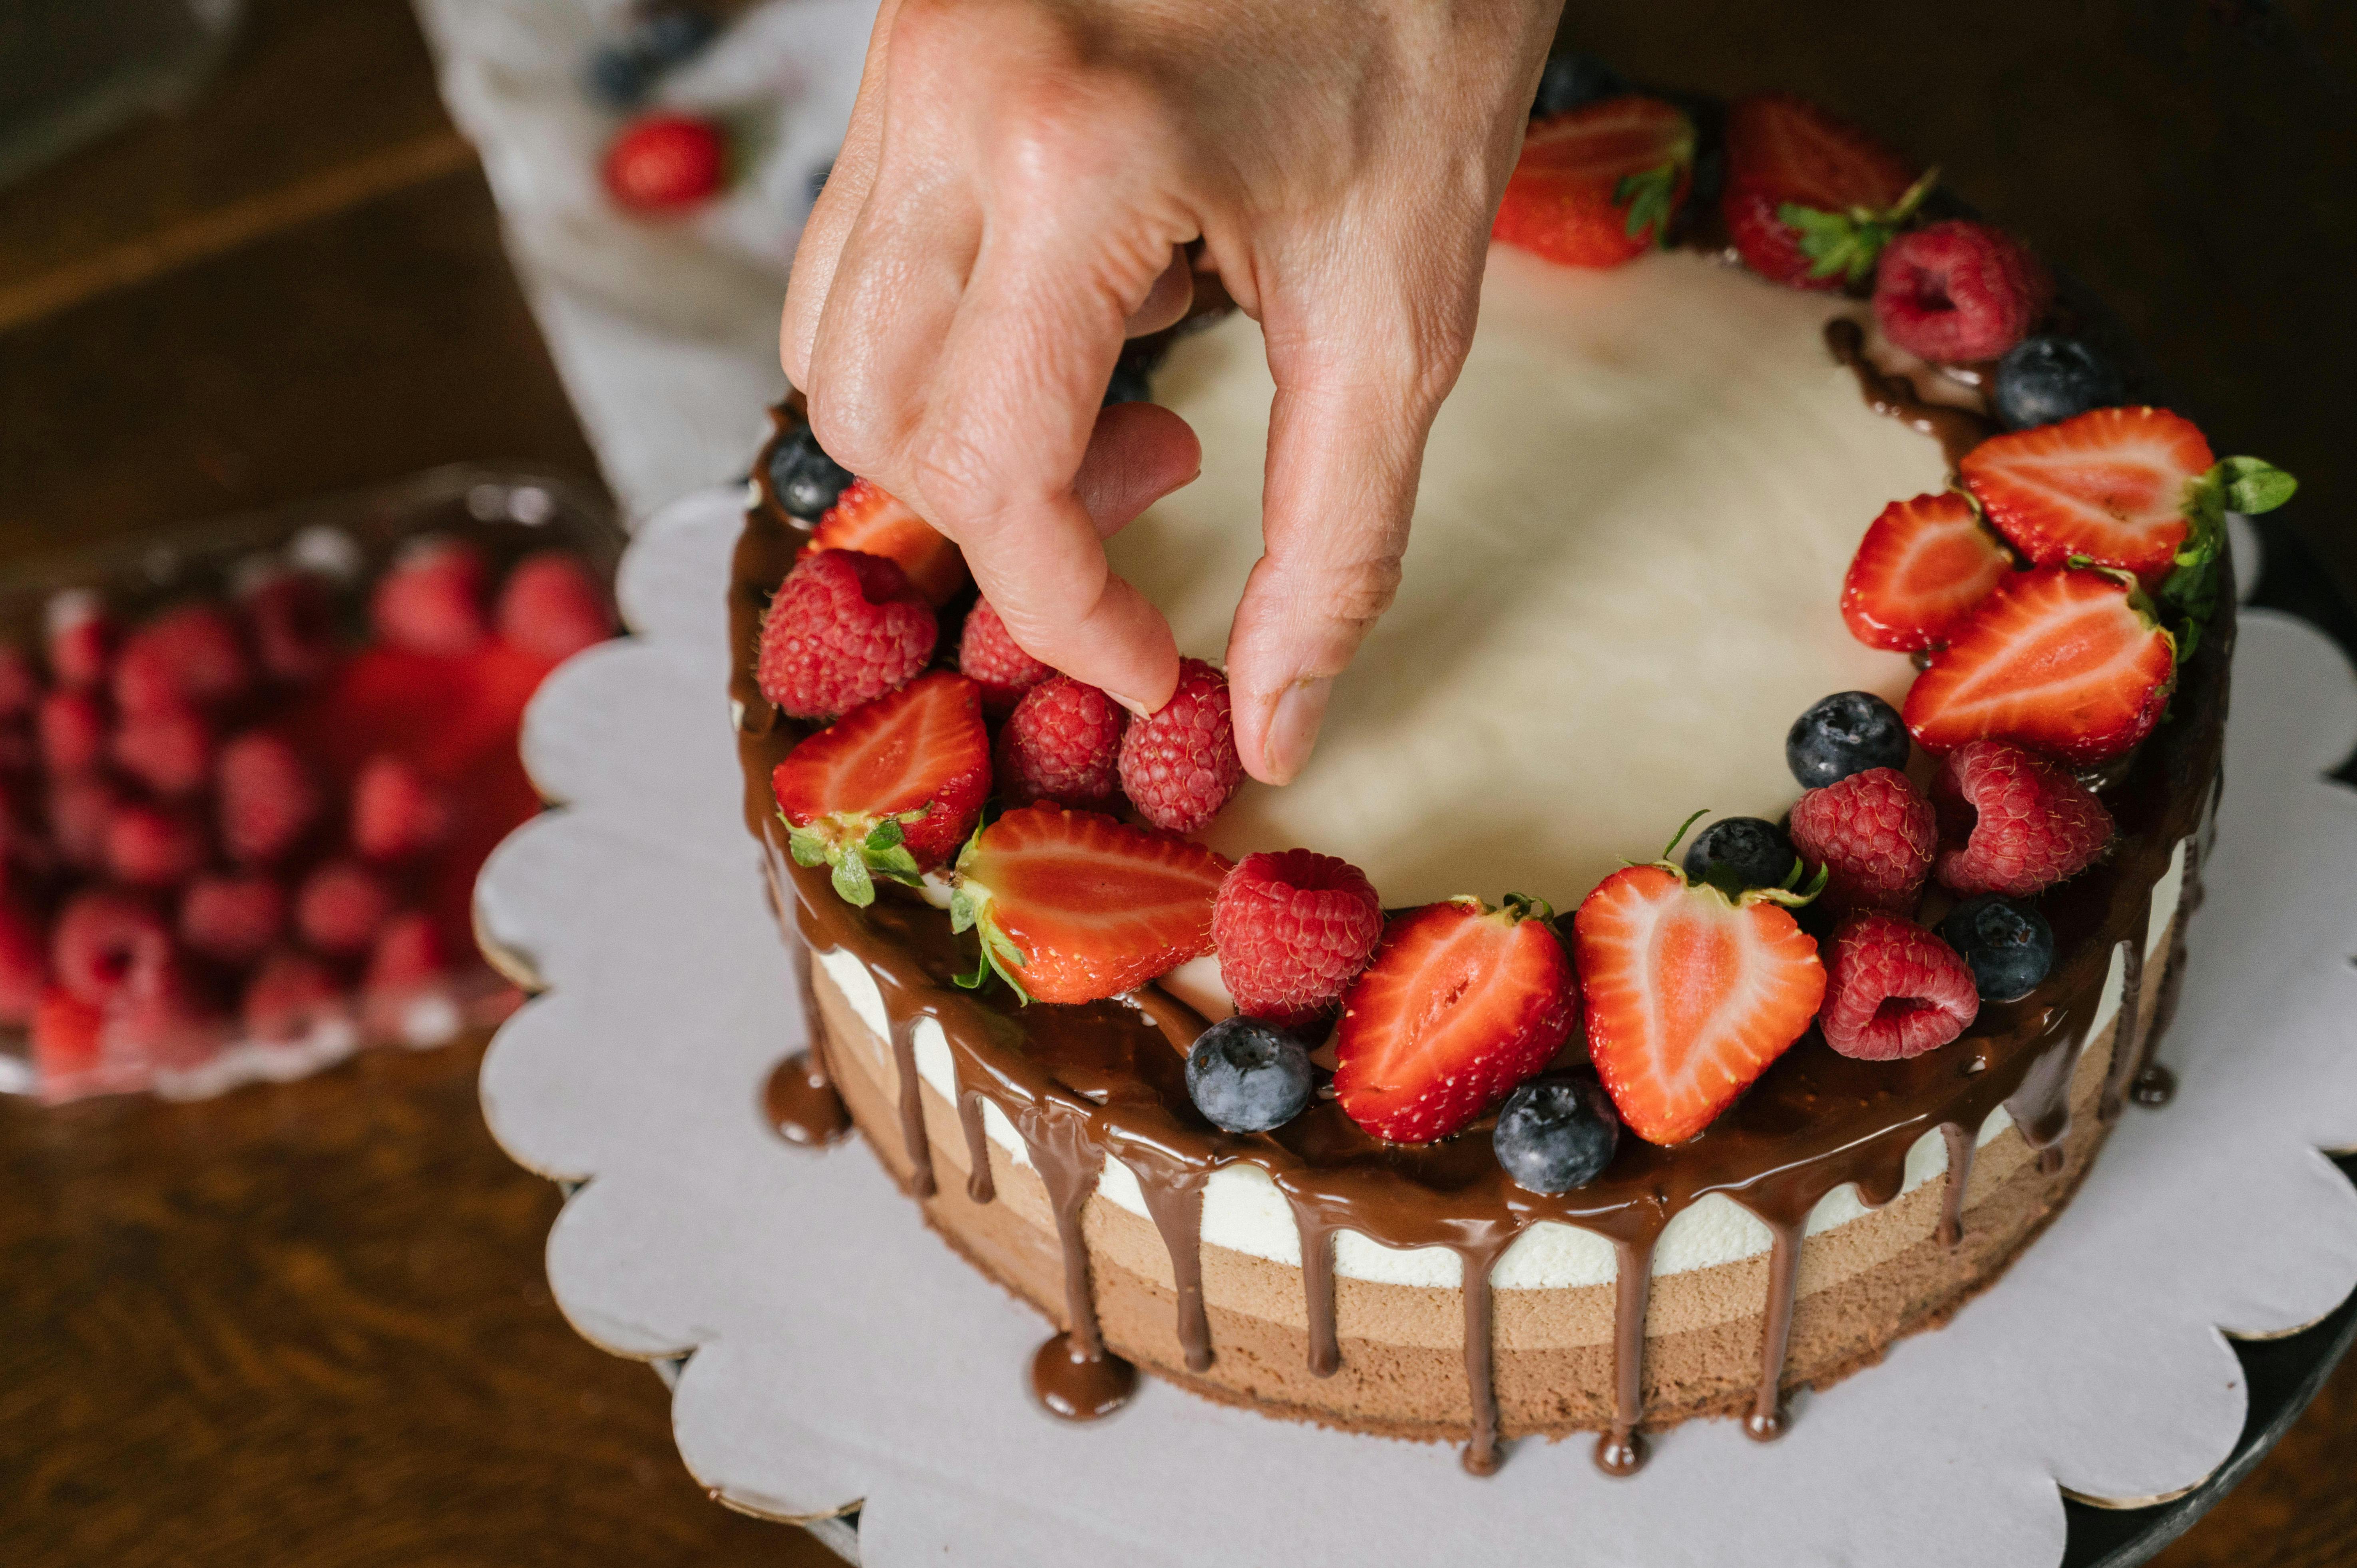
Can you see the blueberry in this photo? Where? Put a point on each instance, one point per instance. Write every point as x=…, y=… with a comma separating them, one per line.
x=2009, y=947
x=2042, y=380
x=1847, y=733
x=1736, y=853
x=617, y=76
x=1556, y=1133
x=1132, y=372
x=1247, y=1077
x=1128, y=385
x=1573, y=79
x=805, y=480
x=672, y=37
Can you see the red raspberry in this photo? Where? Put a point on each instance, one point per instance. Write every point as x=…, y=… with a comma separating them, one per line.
x=664, y=162
x=156, y=846
x=268, y=798
x=232, y=915
x=98, y=934
x=1893, y=990
x=432, y=600
x=80, y=641
x=162, y=1015
x=71, y=729
x=1959, y=291
x=24, y=966
x=1874, y=836
x=553, y=607
x=65, y=1042
x=2013, y=823
x=395, y=811
x=341, y=907
x=1063, y=743
x=845, y=627
x=289, y=994
x=168, y=747
x=988, y=656
x=20, y=684
x=1292, y=930
x=192, y=655
x=404, y=996
x=1180, y=766
x=292, y=618
x=80, y=805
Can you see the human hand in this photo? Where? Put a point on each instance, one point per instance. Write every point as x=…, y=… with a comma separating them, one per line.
x=1009, y=205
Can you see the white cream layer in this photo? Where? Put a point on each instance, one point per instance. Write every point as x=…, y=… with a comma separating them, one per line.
x=1242, y=1209
x=1621, y=587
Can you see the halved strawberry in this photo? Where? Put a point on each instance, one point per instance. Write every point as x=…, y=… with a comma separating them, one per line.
x=1920, y=569
x=1461, y=1004
x=1073, y=906
x=1596, y=185
x=892, y=787
x=2069, y=662
x=2113, y=486
x=1810, y=199
x=868, y=518
x=1690, y=995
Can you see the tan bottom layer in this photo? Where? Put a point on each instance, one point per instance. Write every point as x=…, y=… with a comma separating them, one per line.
x=1862, y=1285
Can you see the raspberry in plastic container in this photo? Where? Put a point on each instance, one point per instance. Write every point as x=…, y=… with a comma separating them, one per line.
x=395, y=632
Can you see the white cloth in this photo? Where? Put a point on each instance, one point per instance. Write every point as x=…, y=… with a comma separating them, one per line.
x=664, y=331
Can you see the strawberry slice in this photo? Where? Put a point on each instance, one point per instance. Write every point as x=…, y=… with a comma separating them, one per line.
x=891, y=788
x=868, y=518
x=1811, y=200
x=2064, y=662
x=1690, y=995
x=1073, y=906
x=1921, y=568
x=1595, y=187
x=2114, y=486
x=1461, y=1004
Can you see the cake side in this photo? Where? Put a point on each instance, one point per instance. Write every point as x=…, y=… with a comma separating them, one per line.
x=1858, y=1287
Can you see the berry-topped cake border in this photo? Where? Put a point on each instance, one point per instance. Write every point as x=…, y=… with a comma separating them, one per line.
x=2051, y=818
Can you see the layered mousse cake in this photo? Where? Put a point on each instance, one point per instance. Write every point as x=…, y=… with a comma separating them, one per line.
x=1430, y=1095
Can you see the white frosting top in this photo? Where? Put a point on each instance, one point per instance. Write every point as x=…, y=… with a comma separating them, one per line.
x=1621, y=587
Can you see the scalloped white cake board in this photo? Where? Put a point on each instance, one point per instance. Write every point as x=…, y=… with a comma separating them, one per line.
x=841, y=1355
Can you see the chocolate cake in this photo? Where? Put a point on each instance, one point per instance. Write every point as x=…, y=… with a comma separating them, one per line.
x=1635, y=515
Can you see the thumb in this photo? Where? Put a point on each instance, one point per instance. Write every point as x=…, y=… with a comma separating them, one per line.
x=1358, y=382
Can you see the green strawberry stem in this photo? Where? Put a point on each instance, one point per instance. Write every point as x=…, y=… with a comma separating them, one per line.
x=881, y=851
x=1851, y=242
x=970, y=911
x=2246, y=485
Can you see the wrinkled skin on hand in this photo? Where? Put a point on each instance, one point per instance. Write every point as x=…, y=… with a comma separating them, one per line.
x=1010, y=204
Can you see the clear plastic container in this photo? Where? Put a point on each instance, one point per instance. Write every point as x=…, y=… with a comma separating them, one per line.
x=347, y=540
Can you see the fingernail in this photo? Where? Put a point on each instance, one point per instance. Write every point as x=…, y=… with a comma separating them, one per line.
x=1293, y=729
x=1136, y=709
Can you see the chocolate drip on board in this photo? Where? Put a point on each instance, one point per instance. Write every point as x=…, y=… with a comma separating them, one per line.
x=1104, y=1080
x=798, y=1098
x=1766, y=1422
x=1957, y=430
x=1963, y=1142
x=1073, y=1373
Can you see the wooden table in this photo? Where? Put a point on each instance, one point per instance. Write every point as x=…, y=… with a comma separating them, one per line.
x=309, y=1324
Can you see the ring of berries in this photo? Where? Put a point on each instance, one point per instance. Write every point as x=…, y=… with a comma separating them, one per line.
x=2050, y=598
